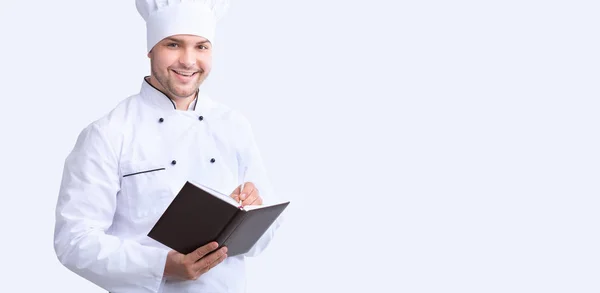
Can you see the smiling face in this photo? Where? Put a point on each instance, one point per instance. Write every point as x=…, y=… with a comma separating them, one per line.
x=179, y=64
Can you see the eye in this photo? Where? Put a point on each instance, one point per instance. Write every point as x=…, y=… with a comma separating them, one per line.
x=172, y=45
x=203, y=47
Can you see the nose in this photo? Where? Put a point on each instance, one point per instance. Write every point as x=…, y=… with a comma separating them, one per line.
x=188, y=58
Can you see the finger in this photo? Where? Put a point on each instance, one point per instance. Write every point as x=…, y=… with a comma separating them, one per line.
x=253, y=198
x=208, y=262
x=212, y=265
x=257, y=201
x=248, y=189
x=236, y=193
x=202, y=251
x=209, y=259
x=246, y=198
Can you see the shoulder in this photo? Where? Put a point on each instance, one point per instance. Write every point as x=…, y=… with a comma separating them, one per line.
x=120, y=114
x=106, y=131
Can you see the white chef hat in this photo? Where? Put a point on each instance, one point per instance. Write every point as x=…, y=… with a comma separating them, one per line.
x=166, y=18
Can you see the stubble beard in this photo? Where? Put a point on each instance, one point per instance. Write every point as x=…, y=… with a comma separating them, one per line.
x=175, y=92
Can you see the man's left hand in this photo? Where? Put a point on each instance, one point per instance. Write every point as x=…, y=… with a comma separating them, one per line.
x=249, y=196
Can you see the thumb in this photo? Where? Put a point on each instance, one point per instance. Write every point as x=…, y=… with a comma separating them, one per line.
x=202, y=251
x=237, y=193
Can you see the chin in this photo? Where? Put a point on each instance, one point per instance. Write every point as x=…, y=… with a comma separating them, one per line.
x=184, y=93
x=184, y=90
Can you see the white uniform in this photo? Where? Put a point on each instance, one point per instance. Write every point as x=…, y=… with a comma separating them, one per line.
x=123, y=172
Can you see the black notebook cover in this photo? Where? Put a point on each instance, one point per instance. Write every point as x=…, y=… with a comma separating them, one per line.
x=196, y=217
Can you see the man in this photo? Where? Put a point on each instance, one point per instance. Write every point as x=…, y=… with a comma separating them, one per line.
x=126, y=167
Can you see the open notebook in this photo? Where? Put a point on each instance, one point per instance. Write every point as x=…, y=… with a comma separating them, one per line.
x=199, y=215
x=227, y=198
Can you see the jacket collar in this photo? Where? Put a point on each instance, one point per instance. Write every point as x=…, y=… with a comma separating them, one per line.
x=160, y=100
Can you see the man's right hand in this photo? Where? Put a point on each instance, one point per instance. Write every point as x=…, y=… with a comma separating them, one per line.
x=193, y=265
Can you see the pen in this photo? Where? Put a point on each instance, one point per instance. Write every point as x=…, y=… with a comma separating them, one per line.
x=243, y=181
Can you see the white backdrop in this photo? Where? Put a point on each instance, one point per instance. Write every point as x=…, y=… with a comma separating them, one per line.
x=426, y=146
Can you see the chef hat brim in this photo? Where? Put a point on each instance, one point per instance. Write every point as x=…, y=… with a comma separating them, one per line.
x=186, y=18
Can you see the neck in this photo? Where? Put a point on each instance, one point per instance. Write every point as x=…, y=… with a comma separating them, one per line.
x=183, y=103
x=180, y=103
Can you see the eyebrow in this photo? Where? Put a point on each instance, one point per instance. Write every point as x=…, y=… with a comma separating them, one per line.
x=181, y=41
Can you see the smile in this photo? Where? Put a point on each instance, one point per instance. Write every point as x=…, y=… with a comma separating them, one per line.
x=184, y=73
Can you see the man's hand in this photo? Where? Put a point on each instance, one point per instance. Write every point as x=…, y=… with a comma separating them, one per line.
x=249, y=196
x=193, y=265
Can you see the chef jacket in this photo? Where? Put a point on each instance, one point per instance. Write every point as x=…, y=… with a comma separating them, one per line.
x=123, y=172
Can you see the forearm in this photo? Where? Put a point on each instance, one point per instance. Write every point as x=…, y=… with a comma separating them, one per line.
x=110, y=262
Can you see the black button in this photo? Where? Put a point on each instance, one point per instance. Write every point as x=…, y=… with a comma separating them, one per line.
x=212, y=160
x=200, y=118
x=161, y=120
x=173, y=162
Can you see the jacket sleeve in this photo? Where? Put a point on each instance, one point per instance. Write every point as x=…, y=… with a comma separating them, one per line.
x=256, y=173
x=84, y=212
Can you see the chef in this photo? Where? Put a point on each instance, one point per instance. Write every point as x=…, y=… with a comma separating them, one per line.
x=127, y=166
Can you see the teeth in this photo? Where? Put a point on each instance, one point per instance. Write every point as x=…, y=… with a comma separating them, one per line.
x=184, y=73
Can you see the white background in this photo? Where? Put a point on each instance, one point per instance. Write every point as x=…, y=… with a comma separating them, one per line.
x=426, y=146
